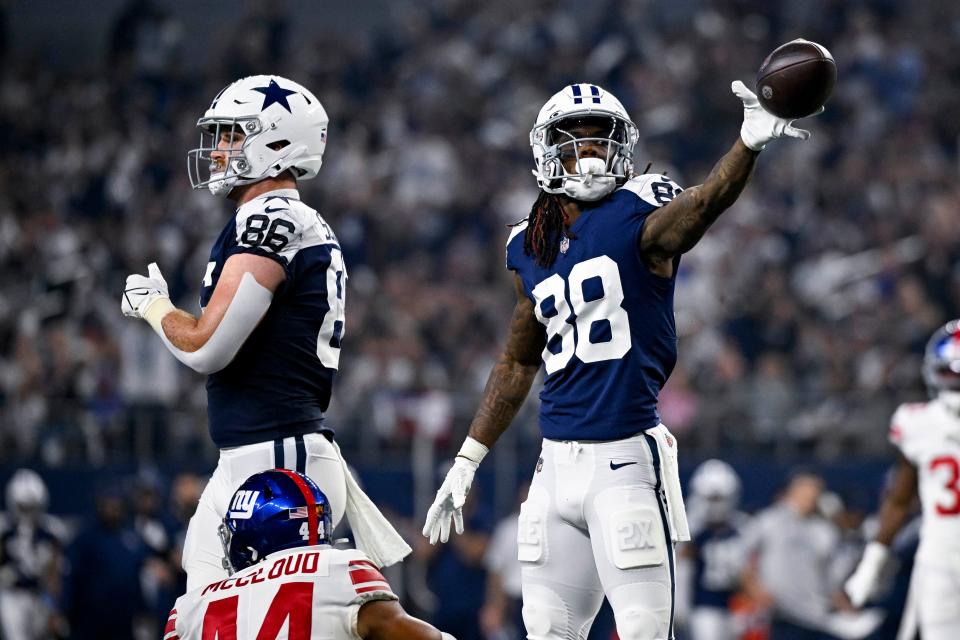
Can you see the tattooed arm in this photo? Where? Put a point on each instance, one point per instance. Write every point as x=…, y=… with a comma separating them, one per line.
x=677, y=226
x=511, y=378
x=507, y=388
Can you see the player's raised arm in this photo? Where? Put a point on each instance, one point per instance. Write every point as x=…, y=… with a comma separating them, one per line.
x=894, y=511
x=507, y=388
x=678, y=226
x=386, y=620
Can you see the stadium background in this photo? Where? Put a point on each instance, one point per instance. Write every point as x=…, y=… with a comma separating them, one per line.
x=802, y=313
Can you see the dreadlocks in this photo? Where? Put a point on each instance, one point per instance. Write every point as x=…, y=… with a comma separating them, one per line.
x=545, y=230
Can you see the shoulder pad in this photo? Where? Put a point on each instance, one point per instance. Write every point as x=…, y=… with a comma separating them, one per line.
x=653, y=188
x=270, y=226
x=905, y=422
x=516, y=230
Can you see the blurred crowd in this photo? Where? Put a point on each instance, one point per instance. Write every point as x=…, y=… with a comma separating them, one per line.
x=802, y=314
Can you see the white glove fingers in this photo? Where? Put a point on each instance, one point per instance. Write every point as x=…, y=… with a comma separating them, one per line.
x=153, y=271
x=793, y=132
x=445, y=527
x=458, y=521
x=428, y=526
x=740, y=90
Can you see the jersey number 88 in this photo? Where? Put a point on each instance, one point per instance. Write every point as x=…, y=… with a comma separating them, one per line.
x=586, y=312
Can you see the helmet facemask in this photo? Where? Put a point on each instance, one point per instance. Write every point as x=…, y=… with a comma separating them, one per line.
x=238, y=165
x=593, y=175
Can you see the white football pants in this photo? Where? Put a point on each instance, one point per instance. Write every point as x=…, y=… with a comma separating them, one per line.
x=937, y=600
x=312, y=454
x=712, y=623
x=23, y=615
x=594, y=524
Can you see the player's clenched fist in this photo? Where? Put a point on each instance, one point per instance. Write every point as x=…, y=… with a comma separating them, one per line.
x=141, y=292
x=452, y=494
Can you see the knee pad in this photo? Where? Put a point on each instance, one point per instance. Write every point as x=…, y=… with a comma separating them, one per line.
x=545, y=614
x=642, y=610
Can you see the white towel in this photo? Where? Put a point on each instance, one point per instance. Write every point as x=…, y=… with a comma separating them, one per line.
x=373, y=534
x=670, y=478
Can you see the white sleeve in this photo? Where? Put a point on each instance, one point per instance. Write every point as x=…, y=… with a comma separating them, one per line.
x=654, y=189
x=249, y=305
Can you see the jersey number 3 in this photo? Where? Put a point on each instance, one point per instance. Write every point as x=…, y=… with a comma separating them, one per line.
x=951, y=506
x=594, y=294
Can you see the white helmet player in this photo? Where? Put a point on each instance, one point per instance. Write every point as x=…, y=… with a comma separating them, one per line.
x=717, y=485
x=552, y=141
x=284, y=125
x=26, y=492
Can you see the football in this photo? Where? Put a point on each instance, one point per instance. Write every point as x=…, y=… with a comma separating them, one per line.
x=796, y=79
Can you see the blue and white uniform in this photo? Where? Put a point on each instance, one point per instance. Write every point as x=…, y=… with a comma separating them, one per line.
x=719, y=558
x=595, y=523
x=279, y=383
x=266, y=407
x=611, y=337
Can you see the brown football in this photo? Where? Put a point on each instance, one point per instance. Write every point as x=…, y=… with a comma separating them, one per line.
x=796, y=79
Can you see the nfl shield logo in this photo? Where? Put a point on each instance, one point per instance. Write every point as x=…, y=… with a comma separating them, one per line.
x=564, y=244
x=539, y=464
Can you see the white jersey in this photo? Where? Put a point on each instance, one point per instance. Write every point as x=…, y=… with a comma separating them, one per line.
x=312, y=593
x=928, y=434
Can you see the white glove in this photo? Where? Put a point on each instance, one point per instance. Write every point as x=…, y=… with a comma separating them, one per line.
x=759, y=125
x=143, y=292
x=860, y=586
x=452, y=494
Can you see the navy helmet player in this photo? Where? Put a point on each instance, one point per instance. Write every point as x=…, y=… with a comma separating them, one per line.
x=284, y=572
x=594, y=267
x=717, y=549
x=272, y=312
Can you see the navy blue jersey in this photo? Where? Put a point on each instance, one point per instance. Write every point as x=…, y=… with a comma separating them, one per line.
x=279, y=383
x=611, y=338
x=719, y=560
x=26, y=554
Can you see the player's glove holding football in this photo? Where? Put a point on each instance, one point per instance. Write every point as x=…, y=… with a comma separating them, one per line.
x=759, y=125
x=452, y=494
x=146, y=296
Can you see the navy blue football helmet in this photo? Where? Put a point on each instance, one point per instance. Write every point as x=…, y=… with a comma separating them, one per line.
x=941, y=359
x=272, y=511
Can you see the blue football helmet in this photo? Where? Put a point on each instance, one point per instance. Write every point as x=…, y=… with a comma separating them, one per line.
x=941, y=359
x=272, y=511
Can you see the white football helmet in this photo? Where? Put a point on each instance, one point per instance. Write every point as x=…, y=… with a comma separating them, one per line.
x=26, y=492
x=284, y=125
x=594, y=178
x=717, y=485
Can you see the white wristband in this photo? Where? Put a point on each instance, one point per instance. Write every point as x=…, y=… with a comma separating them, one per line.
x=473, y=450
x=156, y=312
x=875, y=555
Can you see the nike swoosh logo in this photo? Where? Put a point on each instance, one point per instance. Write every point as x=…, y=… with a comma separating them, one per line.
x=614, y=467
x=274, y=209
